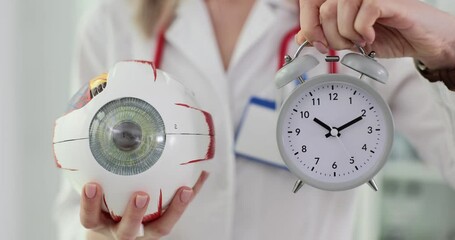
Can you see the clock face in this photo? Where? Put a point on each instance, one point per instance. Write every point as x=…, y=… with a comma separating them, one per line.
x=335, y=132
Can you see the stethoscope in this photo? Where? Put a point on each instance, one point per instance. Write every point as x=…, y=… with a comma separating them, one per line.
x=286, y=41
x=283, y=48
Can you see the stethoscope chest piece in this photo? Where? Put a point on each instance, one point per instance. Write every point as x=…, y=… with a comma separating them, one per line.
x=334, y=131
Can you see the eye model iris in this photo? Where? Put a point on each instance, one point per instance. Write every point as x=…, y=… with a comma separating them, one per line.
x=127, y=136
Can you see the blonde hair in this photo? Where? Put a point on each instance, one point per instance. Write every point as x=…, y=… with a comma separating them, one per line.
x=152, y=15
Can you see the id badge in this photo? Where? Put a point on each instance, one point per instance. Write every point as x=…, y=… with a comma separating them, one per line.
x=256, y=136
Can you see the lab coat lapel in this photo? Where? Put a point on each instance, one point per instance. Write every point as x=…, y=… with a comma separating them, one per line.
x=192, y=34
x=258, y=23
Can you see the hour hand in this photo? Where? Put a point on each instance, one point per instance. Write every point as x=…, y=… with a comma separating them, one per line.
x=322, y=124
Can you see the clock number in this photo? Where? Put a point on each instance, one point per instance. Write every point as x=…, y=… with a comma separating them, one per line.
x=305, y=114
x=297, y=130
x=370, y=130
x=351, y=160
x=317, y=160
x=334, y=165
x=364, y=147
x=304, y=148
x=350, y=100
x=316, y=101
x=364, y=112
x=333, y=96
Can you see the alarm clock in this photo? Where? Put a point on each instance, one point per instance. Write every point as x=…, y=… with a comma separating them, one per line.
x=334, y=131
x=134, y=129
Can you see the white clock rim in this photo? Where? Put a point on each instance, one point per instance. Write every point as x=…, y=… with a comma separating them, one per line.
x=389, y=128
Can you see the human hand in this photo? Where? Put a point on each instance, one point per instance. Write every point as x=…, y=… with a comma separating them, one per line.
x=101, y=226
x=389, y=27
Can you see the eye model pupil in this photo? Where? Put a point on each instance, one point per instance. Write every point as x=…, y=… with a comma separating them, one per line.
x=127, y=136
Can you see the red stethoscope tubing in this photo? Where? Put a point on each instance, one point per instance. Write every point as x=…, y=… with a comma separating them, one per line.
x=288, y=37
x=159, y=48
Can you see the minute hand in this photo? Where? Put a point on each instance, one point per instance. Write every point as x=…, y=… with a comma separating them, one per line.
x=347, y=124
x=350, y=123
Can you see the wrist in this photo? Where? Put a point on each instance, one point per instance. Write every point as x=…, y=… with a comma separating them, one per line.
x=441, y=54
x=446, y=75
x=444, y=60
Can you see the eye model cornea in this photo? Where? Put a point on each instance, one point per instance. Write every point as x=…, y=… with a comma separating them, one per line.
x=127, y=136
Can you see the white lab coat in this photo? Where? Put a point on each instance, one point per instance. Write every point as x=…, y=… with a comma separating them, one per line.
x=243, y=199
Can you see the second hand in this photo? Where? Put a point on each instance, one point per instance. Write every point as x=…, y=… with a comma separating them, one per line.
x=344, y=147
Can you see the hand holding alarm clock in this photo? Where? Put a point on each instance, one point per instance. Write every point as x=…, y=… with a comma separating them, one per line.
x=334, y=131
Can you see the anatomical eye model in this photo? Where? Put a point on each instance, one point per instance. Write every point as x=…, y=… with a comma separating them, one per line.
x=134, y=129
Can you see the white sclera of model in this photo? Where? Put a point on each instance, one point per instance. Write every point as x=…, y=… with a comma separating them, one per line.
x=334, y=131
x=141, y=133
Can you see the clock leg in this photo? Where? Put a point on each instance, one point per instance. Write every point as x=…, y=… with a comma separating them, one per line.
x=298, y=184
x=373, y=185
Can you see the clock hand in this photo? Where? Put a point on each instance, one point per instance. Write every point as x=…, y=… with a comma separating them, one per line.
x=350, y=123
x=345, y=149
x=322, y=124
x=346, y=125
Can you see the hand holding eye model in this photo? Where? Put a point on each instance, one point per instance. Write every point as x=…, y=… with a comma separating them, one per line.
x=135, y=135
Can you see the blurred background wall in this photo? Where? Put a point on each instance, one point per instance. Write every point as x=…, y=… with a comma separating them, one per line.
x=36, y=46
x=8, y=153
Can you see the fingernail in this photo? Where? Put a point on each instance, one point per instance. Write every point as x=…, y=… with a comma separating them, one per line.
x=321, y=47
x=90, y=190
x=185, y=196
x=206, y=175
x=141, y=200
